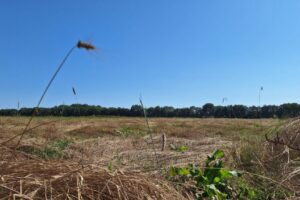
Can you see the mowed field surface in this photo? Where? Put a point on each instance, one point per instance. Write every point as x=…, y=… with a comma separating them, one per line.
x=124, y=142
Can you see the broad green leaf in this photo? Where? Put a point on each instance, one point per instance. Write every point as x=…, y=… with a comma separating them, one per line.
x=225, y=174
x=183, y=171
x=217, y=179
x=218, y=154
x=182, y=148
x=211, y=174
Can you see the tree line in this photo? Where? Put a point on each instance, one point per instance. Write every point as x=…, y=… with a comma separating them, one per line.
x=208, y=110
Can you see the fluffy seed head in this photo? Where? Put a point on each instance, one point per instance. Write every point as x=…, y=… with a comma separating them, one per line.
x=85, y=45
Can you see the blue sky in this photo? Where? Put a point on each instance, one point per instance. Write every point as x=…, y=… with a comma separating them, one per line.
x=175, y=52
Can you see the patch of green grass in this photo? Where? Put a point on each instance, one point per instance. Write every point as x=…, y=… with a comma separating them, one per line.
x=129, y=131
x=61, y=144
x=52, y=151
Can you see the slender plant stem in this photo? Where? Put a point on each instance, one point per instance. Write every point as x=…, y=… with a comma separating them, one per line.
x=259, y=107
x=149, y=130
x=41, y=99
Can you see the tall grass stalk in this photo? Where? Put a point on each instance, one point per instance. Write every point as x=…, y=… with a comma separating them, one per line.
x=35, y=111
x=45, y=92
x=149, y=129
x=261, y=89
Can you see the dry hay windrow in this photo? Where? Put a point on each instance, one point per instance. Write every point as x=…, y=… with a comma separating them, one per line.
x=29, y=177
x=138, y=154
x=36, y=179
x=10, y=154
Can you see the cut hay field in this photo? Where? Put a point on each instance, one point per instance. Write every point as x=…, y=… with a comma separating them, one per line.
x=115, y=157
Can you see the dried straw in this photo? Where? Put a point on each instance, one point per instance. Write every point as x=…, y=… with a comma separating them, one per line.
x=56, y=180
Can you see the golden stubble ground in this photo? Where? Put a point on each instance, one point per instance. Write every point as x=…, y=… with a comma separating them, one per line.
x=125, y=143
x=113, y=157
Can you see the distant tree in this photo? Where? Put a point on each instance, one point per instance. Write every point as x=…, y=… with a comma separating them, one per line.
x=182, y=112
x=290, y=110
x=8, y=112
x=218, y=111
x=239, y=111
x=26, y=111
x=195, y=111
x=252, y=112
x=167, y=111
x=221, y=112
x=136, y=110
x=208, y=110
x=269, y=111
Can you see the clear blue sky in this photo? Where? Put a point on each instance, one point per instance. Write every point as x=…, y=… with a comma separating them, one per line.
x=173, y=52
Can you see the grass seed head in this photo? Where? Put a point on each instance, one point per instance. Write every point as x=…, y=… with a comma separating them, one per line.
x=85, y=45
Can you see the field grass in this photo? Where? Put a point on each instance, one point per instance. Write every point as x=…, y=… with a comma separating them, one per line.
x=88, y=127
x=123, y=143
x=125, y=135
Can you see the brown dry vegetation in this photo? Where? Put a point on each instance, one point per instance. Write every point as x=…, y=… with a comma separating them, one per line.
x=86, y=127
x=113, y=158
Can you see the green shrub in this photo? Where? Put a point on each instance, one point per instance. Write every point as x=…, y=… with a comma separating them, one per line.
x=213, y=181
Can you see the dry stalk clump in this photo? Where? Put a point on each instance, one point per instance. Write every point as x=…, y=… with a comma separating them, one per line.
x=30, y=179
x=283, y=153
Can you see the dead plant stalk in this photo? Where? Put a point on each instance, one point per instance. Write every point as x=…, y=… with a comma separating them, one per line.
x=79, y=45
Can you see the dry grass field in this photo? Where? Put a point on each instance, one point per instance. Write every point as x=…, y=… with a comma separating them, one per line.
x=60, y=156
x=126, y=142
